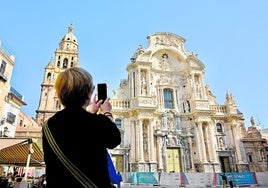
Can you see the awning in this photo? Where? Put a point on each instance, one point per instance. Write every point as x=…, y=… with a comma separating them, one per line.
x=15, y=152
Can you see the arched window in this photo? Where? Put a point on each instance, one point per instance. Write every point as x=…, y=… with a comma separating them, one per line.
x=168, y=98
x=65, y=63
x=49, y=76
x=58, y=105
x=219, y=128
x=118, y=122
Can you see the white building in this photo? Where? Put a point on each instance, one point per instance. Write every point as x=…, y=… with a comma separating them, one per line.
x=169, y=119
x=10, y=99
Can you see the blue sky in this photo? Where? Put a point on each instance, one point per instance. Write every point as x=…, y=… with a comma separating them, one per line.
x=230, y=38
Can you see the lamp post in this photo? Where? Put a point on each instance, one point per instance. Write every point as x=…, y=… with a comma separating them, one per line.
x=209, y=171
x=30, y=152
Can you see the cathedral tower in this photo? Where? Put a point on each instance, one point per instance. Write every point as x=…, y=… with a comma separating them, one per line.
x=66, y=56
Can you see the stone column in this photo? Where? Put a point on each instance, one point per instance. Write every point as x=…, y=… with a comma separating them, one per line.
x=203, y=91
x=198, y=141
x=202, y=144
x=139, y=82
x=159, y=153
x=140, y=140
x=137, y=141
x=208, y=143
x=212, y=144
x=191, y=153
x=133, y=152
x=151, y=141
x=237, y=145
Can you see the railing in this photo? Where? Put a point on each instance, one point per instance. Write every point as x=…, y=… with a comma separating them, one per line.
x=119, y=104
x=124, y=104
x=218, y=109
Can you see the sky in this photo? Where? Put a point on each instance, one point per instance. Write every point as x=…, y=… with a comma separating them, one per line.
x=230, y=38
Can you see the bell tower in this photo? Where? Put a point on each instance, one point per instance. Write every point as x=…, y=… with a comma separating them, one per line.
x=66, y=56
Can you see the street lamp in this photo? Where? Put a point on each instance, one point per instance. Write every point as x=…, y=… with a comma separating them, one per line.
x=209, y=171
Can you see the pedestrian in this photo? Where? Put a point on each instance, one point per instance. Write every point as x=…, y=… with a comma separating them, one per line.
x=224, y=180
x=44, y=182
x=230, y=180
x=76, y=138
x=119, y=179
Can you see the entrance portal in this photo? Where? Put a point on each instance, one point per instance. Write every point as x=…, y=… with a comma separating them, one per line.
x=173, y=160
x=225, y=164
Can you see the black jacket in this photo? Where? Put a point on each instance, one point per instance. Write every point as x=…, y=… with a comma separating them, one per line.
x=83, y=137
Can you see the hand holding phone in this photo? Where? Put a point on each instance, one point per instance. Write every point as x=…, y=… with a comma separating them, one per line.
x=102, y=91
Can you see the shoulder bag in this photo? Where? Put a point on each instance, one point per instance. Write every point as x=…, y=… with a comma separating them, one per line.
x=79, y=175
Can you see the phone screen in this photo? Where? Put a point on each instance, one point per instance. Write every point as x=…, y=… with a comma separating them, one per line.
x=102, y=91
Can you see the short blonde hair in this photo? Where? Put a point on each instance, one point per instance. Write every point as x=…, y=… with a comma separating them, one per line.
x=73, y=86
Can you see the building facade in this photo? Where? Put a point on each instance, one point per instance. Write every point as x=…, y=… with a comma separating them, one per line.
x=169, y=119
x=27, y=127
x=10, y=99
x=256, y=148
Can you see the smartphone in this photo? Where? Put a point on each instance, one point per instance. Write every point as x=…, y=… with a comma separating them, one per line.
x=102, y=91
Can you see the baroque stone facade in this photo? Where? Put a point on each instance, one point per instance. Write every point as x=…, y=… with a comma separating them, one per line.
x=169, y=119
x=256, y=148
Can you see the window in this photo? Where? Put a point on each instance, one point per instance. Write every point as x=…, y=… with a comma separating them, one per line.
x=219, y=128
x=168, y=98
x=49, y=76
x=65, y=63
x=2, y=70
x=250, y=158
x=118, y=123
x=58, y=105
x=10, y=117
x=3, y=67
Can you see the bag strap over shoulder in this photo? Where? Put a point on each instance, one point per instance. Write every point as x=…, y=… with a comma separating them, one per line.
x=78, y=174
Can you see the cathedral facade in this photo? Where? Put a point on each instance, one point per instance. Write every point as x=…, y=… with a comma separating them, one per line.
x=169, y=119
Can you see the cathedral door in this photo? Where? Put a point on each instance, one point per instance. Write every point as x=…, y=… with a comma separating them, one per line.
x=118, y=162
x=173, y=160
x=225, y=164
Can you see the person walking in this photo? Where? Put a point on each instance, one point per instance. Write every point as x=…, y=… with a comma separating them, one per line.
x=78, y=135
x=224, y=180
x=120, y=179
x=230, y=180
